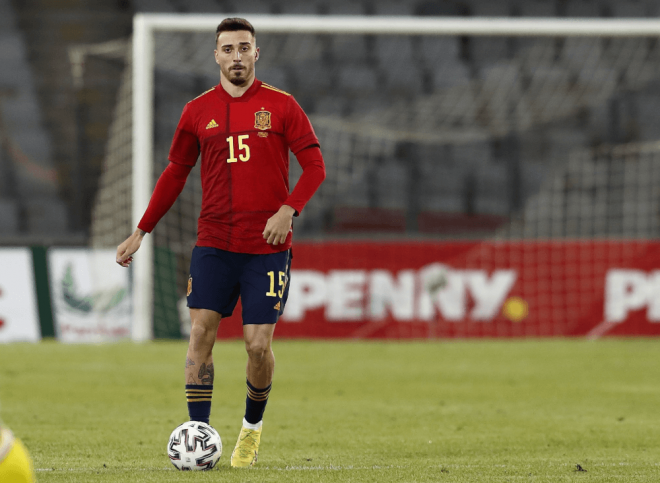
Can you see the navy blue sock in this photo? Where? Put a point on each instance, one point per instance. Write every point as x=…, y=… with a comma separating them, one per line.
x=199, y=402
x=255, y=403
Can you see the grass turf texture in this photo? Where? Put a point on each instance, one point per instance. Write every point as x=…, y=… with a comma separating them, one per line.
x=356, y=411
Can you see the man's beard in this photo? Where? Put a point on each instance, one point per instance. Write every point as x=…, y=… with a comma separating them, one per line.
x=240, y=79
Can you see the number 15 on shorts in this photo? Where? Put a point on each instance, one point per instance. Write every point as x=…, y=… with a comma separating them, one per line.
x=282, y=284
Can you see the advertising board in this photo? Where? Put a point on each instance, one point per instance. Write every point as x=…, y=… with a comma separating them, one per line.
x=19, y=318
x=470, y=289
x=90, y=295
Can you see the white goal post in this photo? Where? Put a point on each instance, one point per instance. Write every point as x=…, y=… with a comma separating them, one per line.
x=146, y=25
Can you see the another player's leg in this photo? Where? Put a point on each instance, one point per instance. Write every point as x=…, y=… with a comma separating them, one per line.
x=199, y=370
x=259, y=372
x=15, y=462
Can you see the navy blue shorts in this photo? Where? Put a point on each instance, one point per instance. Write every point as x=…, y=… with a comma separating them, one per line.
x=218, y=277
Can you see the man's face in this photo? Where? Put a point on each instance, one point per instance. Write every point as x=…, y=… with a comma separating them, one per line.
x=236, y=54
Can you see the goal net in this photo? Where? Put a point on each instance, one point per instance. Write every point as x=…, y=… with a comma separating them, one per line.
x=430, y=128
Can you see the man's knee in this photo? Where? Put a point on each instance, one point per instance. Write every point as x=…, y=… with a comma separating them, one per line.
x=204, y=328
x=202, y=331
x=258, y=348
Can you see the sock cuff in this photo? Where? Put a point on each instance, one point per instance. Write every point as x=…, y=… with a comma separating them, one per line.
x=252, y=426
x=257, y=394
x=257, y=390
x=196, y=393
x=199, y=387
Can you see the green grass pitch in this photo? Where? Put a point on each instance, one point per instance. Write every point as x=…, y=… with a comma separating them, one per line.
x=469, y=411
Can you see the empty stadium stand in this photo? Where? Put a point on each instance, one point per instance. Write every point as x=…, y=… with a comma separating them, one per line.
x=54, y=130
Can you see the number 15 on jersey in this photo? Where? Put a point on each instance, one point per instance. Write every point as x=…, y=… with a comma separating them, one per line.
x=241, y=147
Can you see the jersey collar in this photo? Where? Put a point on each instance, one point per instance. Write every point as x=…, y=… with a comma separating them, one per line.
x=247, y=95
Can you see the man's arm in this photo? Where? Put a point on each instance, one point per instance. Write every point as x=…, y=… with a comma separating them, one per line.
x=168, y=188
x=279, y=225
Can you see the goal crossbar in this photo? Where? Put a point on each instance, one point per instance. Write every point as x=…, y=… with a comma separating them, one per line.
x=409, y=25
x=145, y=25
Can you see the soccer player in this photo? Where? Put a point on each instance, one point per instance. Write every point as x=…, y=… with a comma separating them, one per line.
x=243, y=129
x=15, y=462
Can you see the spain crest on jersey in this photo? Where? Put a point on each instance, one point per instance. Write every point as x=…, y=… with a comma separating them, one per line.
x=262, y=120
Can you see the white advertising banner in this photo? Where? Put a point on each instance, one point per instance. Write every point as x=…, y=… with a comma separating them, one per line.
x=90, y=295
x=19, y=318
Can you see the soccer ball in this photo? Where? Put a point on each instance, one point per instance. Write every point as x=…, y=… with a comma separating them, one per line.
x=194, y=446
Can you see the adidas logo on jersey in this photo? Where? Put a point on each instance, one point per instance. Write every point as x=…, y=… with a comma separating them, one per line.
x=212, y=124
x=278, y=306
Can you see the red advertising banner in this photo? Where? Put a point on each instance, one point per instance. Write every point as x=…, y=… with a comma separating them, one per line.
x=470, y=289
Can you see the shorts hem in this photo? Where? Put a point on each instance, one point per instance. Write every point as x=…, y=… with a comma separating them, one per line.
x=223, y=315
x=259, y=323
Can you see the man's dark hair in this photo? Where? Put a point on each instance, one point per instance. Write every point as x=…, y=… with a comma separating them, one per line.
x=233, y=24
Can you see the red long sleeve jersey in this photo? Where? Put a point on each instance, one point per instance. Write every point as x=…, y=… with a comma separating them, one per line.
x=244, y=144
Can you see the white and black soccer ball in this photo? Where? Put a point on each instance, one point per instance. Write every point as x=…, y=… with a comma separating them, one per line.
x=194, y=446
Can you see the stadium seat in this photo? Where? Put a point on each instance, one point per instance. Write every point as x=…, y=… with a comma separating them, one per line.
x=475, y=153
x=456, y=106
x=9, y=217
x=358, y=79
x=313, y=77
x=500, y=92
x=435, y=50
x=488, y=50
x=331, y=105
x=299, y=7
x=577, y=52
x=536, y=8
x=443, y=202
x=438, y=9
x=351, y=219
x=392, y=178
x=393, y=8
x=7, y=17
x=21, y=111
x=629, y=9
x=202, y=6
x=344, y=7
x=492, y=190
x=275, y=76
x=393, y=49
x=251, y=6
x=440, y=187
x=12, y=45
x=404, y=81
x=46, y=216
x=561, y=141
x=349, y=48
x=153, y=6
x=583, y=8
x=369, y=106
x=647, y=106
x=486, y=8
x=449, y=74
x=653, y=8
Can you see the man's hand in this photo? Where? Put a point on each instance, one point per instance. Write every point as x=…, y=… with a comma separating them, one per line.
x=129, y=247
x=279, y=225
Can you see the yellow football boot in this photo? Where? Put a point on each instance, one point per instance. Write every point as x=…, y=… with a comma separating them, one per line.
x=247, y=448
